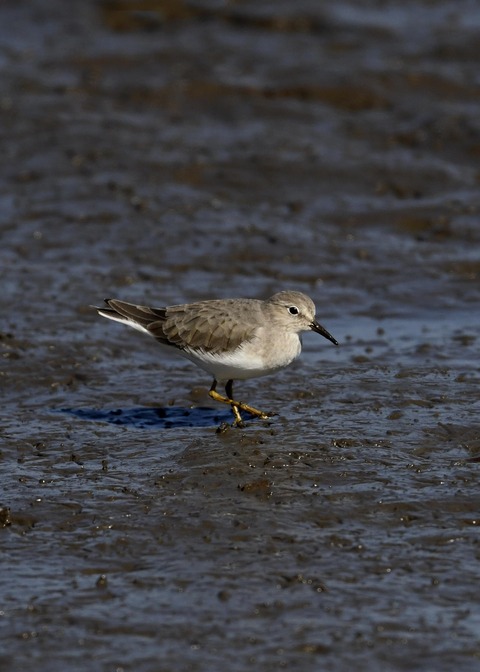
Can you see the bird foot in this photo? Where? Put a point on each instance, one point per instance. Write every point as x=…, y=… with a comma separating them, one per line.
x=238, y=406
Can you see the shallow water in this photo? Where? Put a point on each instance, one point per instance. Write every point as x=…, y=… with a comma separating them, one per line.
x=175, y=152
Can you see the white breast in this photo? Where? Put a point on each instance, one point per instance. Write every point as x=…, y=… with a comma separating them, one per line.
x=255, y=358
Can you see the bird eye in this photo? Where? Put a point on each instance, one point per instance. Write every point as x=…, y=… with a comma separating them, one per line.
x=293, y=310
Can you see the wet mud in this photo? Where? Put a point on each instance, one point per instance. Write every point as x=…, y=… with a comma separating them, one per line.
x=164, y=152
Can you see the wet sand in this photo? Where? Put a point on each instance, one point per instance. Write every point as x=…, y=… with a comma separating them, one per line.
x=170, y=152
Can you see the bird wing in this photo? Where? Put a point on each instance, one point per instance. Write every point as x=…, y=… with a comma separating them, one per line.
x=211, y=326
x=208, y=325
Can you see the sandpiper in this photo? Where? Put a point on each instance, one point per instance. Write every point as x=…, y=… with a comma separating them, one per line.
x=231, y=339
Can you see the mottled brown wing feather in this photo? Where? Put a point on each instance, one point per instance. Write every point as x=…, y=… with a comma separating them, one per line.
x=202, y=325
x=209, y=325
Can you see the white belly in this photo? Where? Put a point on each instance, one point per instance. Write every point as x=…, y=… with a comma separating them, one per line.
x=254, y=359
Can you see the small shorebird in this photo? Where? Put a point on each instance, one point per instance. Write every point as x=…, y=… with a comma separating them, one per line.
x=231, y=339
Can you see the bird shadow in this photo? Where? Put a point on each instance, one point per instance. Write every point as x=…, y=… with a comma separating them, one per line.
x=168, y=417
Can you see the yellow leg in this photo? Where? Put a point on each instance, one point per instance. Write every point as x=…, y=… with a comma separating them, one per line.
x=237, y=406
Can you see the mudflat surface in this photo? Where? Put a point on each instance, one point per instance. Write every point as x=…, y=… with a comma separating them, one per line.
x=165, y=152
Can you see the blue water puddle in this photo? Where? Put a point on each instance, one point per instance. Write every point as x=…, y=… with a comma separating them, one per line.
x=157, y=418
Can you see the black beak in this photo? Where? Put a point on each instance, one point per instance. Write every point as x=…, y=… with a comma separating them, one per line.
x=322, y=331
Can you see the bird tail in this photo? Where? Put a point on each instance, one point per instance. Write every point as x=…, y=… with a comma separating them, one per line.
x=137, y=317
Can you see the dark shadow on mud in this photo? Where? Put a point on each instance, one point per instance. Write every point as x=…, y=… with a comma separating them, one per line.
x=159, y=418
